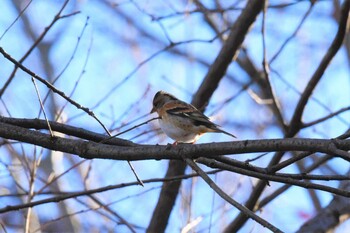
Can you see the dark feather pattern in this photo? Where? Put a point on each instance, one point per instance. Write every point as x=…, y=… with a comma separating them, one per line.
x=179, y=108
x=178, y=111
x=194, y=115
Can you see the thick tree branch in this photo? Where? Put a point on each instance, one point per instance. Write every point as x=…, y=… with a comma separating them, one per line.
x=93, y=150
x=216, y=72
x=167, y=197
x=336, y=212
x=228, y=52
x=296, y=122
x=66, y=129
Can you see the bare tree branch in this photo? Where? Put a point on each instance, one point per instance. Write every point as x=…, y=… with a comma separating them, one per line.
x=329, y=217
x=93, y=150
x=216, y=72
x=57, y=17
x=167, y=47
x=282, y=178
x=51, y=87
x=63, y=196
x=295, y=123
x=227, y=198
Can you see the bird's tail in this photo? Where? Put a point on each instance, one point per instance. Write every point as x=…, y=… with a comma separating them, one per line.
x=223, y=131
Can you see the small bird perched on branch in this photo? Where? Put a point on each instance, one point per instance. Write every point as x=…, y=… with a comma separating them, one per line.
x=182, y=121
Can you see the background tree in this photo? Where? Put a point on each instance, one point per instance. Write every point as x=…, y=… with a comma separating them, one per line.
x=74, y=73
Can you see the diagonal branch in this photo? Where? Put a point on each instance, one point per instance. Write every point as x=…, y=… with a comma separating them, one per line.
x=281, y=178
x=51, y=87
x=210, y=83
x=67, y=195
x=336, y=212
x=296, y=124
x=228, y=52
x=227, y=198
x=57, y=17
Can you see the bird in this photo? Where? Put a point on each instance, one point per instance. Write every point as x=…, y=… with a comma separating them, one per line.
x=182, y=121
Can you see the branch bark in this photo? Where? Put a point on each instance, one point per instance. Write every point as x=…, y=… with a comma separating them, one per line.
x=94, y=150
x=329, y=217
x=210, y=83
x=296, y=122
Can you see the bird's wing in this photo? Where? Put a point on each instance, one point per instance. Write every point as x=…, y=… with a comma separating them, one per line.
x=188, y=111
x=182, y=109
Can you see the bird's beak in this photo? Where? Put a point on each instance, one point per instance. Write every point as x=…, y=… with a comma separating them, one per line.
x=153, y=110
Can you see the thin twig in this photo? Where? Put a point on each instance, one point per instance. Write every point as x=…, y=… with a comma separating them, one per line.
x=227, y=198
x=62, y=94
x=35, y=44
x=329, y=116
x=50, y=86
x=294, y=33
x=69, y=62
x=151, y=57
x=16, y=19
x=301, y=156
x=125, y=131
x=266, y=69
x=285, y=187
x=97, y=190
x=42, y=107
x=276, y=178
x=108, y=209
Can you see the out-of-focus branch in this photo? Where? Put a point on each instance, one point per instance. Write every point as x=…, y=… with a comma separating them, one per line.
x=329, y=116
x=296, y=124
x=280, y=190
x=266, y=70
x=57, y=17
x=312, y=3
x=167, y=198
x=227, y=198
x=210, y=83
x=114, y=213
x=228, y=52
x=64, y=196
x=336, y=16
x=51, y=87
x=336, y=212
